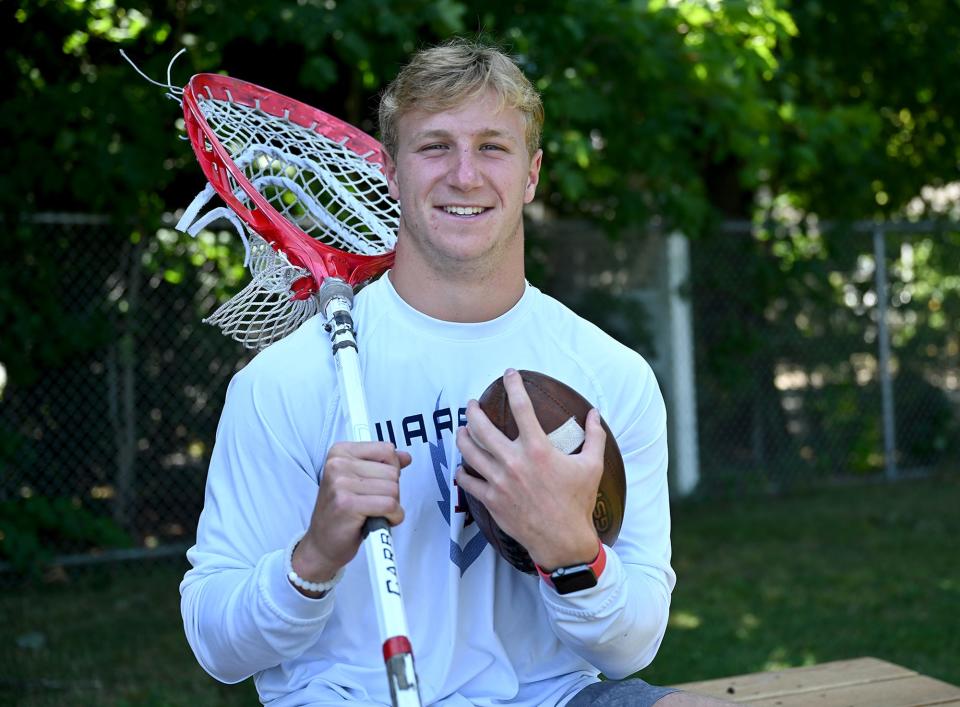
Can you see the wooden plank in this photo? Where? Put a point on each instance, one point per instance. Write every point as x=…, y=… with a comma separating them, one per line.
x=839, y=673
x=916, y=691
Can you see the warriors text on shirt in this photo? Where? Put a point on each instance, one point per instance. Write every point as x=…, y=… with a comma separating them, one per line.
x=417, y=427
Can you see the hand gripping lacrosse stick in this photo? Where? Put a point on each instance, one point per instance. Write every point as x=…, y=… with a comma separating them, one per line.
x=311, y=191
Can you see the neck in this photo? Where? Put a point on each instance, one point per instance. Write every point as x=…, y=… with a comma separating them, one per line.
x=463, y=295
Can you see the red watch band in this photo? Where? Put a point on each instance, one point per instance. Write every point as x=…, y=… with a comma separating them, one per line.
x=598, y=564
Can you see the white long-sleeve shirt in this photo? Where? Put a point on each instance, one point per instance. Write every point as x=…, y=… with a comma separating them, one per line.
x=482, y=632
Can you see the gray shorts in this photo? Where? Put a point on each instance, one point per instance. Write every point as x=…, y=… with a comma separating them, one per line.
x=620, y=693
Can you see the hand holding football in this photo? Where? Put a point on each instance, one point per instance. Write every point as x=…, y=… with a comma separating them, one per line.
x=562, y=414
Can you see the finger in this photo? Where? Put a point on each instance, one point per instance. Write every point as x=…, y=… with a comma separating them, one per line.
x=344, y=485
x=479, y=459
x=520, y=405
x=384, y=507
x=378, y=507
x=404, y=458
x=476, y=486
x=595, y=437
x=374, y=487
x=482, y=432
x=395, y=518
x=371, y=451
x=345, y=468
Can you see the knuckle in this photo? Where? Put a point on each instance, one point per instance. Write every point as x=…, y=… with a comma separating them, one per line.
x=340, y=503
x=539, y=448
x=475, y=414
x=520, y=398
x=394, y=490
x=335, y=466
x=513, y=465
x=384, y=448
x=489, y=496
x=538, y=452
x=338, y=484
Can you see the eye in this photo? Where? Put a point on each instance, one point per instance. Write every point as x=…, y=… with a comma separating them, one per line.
x=433, y=146
x=492, y=146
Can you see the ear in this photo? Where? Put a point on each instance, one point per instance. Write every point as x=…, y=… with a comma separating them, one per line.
x=533, y=177
x=390, y=171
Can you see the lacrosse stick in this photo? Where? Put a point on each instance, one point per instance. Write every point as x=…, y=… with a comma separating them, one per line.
x=313, y=199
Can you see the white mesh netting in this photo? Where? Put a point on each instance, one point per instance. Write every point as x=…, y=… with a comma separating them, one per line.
x=325, y=188
x=322, y=186
x=264, y=311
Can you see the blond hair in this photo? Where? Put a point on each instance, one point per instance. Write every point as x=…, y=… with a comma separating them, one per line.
x=442, y=77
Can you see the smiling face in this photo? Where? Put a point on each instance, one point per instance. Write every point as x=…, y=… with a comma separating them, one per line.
x=462, y=177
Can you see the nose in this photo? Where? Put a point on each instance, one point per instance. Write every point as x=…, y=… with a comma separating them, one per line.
x=464, y=172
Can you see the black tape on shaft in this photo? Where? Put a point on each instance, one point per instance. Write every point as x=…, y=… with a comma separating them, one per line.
x=374, y=524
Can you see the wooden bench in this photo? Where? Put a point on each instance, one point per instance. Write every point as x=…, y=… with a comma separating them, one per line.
x=844, y=683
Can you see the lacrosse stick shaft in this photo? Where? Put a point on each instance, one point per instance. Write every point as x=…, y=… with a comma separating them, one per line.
x=336, y=302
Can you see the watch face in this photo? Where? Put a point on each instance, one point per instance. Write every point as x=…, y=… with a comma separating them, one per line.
x=573, y=579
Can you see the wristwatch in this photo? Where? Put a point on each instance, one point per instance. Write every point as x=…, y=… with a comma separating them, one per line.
x=575, y=577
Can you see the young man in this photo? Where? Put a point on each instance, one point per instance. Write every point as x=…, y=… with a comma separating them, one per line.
x=461, y=129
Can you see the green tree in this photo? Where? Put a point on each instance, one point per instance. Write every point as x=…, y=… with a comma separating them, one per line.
x=676, y=112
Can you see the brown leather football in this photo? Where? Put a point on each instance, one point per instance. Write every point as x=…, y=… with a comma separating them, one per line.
x=555, y=403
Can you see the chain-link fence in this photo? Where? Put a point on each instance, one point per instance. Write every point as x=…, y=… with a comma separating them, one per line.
x=826, y=357
x=107, y=449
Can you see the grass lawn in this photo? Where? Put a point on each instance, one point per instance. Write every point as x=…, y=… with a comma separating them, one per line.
x=763, y=583
x=832, y=574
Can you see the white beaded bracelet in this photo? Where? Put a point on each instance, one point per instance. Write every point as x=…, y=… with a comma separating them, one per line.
x=298, y=581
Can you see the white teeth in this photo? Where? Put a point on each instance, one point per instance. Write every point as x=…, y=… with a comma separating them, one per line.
x=464, y=210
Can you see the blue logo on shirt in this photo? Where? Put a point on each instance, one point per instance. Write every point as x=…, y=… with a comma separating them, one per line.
x=417, y=428
x=463, y=556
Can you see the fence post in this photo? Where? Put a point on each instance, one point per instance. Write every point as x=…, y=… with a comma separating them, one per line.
x=684, y=450
x=883, y=342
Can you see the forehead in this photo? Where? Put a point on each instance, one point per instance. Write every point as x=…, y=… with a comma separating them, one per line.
x=479, y=116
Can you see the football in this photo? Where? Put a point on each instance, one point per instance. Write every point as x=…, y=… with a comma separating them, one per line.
x=562, y=413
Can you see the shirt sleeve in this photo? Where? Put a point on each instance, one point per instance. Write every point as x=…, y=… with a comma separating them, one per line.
x=618, y=625
x=241, y=615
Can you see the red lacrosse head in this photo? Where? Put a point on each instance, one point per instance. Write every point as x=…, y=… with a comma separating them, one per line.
x=277, y=135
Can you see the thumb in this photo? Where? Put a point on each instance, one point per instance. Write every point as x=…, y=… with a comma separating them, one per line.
x=404, y=458
x=595, y=438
